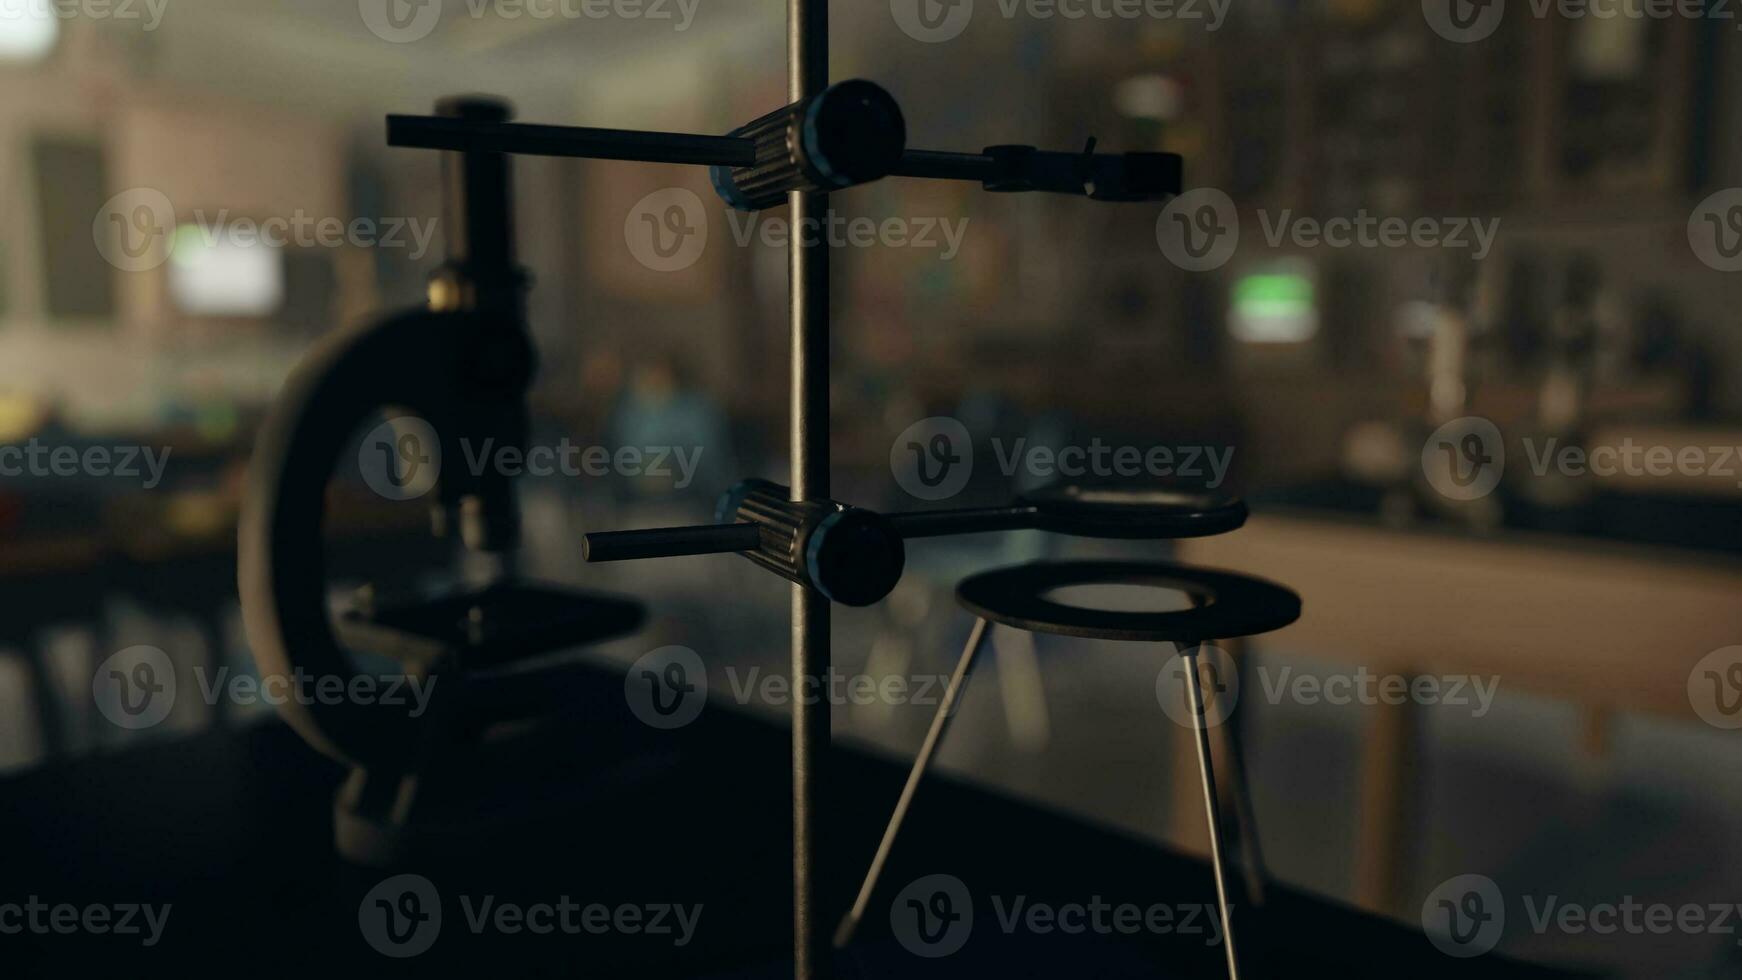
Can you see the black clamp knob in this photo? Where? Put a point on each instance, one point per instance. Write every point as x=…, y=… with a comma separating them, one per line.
x=852, y=556
x=850, y=133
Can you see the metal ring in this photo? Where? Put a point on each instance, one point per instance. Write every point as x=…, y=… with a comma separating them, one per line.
x=1232, y=605
x=1134, y=512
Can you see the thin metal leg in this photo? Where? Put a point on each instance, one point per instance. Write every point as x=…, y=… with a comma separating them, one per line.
x=940, y=723
x=1233, y=756
x=1212, y=809
x=1250, y=854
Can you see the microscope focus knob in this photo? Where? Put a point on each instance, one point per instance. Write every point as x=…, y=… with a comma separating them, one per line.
x=852, y=556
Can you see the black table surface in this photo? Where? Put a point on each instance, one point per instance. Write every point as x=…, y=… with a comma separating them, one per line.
x=233, y=830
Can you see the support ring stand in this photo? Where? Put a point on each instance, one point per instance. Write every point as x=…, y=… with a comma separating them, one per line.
x=1224, y=606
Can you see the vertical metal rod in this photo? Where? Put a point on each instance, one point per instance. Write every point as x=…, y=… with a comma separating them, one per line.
x=934, y=738
x=1212, y=810
x=808, y=275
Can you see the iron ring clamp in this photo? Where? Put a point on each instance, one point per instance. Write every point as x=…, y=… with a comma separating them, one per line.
x=855, y=556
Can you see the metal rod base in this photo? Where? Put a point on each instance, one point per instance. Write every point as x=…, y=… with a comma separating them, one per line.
x=1212, y=808
x=934, y=738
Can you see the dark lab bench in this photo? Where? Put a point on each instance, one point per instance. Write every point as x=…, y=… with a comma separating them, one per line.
x=233, y=828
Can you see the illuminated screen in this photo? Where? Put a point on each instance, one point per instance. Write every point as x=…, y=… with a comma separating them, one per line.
x=1278, y=305
x=28, y=30
x=214, y=276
